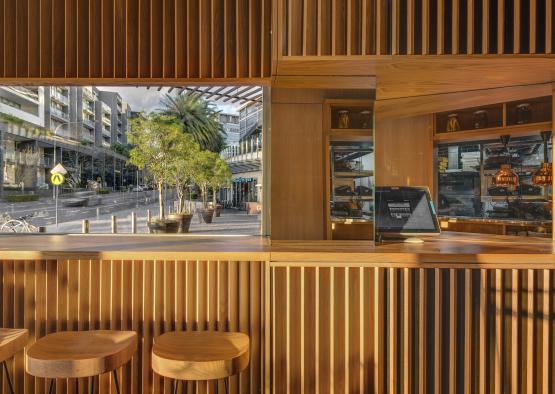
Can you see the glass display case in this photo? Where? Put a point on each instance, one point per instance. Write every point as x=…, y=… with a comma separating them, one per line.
x=466, y=179
x=350, y=172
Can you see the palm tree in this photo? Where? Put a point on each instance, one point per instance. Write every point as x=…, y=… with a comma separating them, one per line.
x=198, y=117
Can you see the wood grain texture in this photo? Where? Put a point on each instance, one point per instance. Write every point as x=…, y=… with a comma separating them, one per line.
x=405, y=164
x=79, y=354
x=452, y=25
x=148, y=296
x=200, y=355
x=12, y=340
x=458, y=355
x=134, y=38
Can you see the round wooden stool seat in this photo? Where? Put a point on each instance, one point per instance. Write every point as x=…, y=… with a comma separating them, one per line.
x=12, y=340
x=80, y=354
x=200, y=355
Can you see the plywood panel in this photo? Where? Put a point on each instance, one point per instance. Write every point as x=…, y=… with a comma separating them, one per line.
x=403, y=148
x=297, y=169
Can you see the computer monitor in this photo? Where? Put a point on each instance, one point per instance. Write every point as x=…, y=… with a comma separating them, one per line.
x=405, y=211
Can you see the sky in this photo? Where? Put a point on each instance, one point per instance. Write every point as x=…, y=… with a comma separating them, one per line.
x=143, y=99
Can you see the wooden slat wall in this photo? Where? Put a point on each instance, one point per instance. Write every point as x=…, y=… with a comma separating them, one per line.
x=414, y=27
x=185, y=39
x=150, y=297
x=370, y=329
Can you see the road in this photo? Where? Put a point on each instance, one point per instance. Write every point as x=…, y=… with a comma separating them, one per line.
x=122, y=205
x=43, y=211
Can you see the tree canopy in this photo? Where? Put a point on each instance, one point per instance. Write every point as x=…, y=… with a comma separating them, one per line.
x=199, y=118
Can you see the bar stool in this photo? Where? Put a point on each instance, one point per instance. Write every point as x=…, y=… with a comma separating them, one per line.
x=80, y=354
x=200, y=355
x=12, y=340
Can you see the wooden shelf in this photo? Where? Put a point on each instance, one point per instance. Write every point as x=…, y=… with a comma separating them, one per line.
x=350, y=198
x=513, y=197
x=358, y=131
x=492, y=133
x=353, y=174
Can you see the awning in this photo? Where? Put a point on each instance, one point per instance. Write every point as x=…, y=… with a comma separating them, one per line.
x=222, y=94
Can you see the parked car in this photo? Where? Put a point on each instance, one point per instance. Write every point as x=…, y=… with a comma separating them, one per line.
x=82, y=199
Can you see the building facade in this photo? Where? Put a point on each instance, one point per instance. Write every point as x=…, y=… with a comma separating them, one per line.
x=244, y=157
x=75, y=126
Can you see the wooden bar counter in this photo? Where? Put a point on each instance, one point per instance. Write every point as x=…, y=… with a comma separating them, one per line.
x=461, y=311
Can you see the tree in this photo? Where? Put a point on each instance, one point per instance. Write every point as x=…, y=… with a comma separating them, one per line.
x=156, y=141
x=220, y=178
x=184, y=167
x=198, y=117
x=204, y=166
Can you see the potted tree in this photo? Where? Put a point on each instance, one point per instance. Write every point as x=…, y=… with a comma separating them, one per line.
x=203, y=176
x=156, y=148
x=221, y=177
x=183, y=171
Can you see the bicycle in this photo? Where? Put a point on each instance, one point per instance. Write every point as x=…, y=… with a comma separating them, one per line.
x=19, y=225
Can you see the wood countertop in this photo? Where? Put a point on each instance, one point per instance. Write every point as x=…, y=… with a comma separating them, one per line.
x=445, y=250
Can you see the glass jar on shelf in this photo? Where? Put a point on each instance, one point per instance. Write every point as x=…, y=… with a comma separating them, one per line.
x=343, y=119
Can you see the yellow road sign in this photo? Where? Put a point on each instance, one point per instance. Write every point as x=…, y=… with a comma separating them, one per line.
x=57, y=179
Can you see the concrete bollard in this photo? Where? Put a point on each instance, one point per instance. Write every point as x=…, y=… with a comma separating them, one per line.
x=114, y=224
x=85, y=228
x=133, y=222
x=148, y=216
x=97, y=213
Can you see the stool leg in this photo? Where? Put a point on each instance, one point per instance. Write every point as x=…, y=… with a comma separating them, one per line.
x=8, y=377
x=175, y=384
x=116, y=381
x=216, y=386
x=51, y=388
x=226, y=385
x=91, y=385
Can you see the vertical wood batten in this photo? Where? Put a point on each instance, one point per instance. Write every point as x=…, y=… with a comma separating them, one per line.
x=150, y=297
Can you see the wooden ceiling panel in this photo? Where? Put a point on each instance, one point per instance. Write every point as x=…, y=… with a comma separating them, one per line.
x=221, y=40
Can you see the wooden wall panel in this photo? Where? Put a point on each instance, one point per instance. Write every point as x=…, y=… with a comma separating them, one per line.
x=404, y=148
x=409, y=27
x=470, y=339
x=297, y=209
x=150, y=297
x=107, y=39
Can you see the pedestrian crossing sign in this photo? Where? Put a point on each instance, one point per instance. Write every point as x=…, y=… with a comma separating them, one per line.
x=57, y=179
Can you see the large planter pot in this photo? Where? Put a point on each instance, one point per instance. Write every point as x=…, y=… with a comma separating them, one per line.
x=183, y=220
x=157, y=226
x=172, y=226
x=208, y=215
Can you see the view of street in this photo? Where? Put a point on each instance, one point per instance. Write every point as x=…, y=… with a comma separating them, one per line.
x=42, y=213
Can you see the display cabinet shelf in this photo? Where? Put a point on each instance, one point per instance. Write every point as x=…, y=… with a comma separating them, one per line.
x=349, y=145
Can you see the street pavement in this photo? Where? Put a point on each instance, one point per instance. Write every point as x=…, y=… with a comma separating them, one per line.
x=122, y=205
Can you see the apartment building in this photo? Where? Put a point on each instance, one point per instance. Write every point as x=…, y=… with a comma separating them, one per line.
x=244, y=157
x=76, y=126
x=230, y=124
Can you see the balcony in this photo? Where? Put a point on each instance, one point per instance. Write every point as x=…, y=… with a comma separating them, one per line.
x=22, y=158
x=106, y=131
x=24, y=93
x=106, y=120
x=59, y=114
x=105, y=144
x=87, y=136
x=88, y=123
x=59, y=97
x=87, y=108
